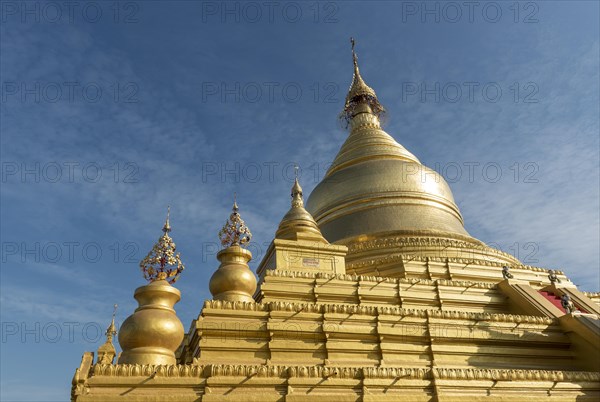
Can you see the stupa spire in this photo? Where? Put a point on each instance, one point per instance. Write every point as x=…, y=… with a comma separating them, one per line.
x=167, y=225
x=297, y=200
x=162, y=262
x=298, y=222
x=111, y=331
x=360, y=94
x=106, y=352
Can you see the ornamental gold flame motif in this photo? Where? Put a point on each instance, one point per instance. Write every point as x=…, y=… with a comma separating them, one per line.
x=235, y=232
x=162, y=262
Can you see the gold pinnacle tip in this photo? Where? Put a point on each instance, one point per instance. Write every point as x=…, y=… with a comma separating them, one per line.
x=234, y=232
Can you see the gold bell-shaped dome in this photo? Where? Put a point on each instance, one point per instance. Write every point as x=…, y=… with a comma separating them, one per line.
x=377, y=190
x=375, y=184
x=298, y=223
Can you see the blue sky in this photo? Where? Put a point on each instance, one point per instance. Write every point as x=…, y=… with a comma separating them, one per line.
x=112, y=111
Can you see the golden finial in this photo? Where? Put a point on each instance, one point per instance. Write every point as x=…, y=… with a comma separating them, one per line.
x=112, y=329
x=106, y=352
x=167, y=226
x=298, y=222
x=359, y=92
x=162, y=263
x=354, y=57
x=297, y=200
x=234, y=232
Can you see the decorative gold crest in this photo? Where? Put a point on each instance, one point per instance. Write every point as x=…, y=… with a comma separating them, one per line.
x=235, y=232
x=162, y=262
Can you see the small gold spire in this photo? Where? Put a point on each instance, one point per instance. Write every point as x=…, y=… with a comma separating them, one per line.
x=360, y=93
x=167, y=226
x=111, y=331
x=298, y=222
x=235, y=232
x=235, y=205
x=358, y=87
x=297, y=200
x=162, y=263
x=106, y=352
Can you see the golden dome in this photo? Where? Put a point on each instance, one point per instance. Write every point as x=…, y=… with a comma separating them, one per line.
x=377, y=190
x=153, y=333
x=233, y=280
x=376, y=185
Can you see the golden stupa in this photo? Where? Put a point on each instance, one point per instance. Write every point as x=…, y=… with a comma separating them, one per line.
x=373, y=292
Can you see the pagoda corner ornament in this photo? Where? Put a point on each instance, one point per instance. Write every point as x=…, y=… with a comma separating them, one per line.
x=233, y=280
x=153, y=332
x=506, y=272
x=552, y=277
